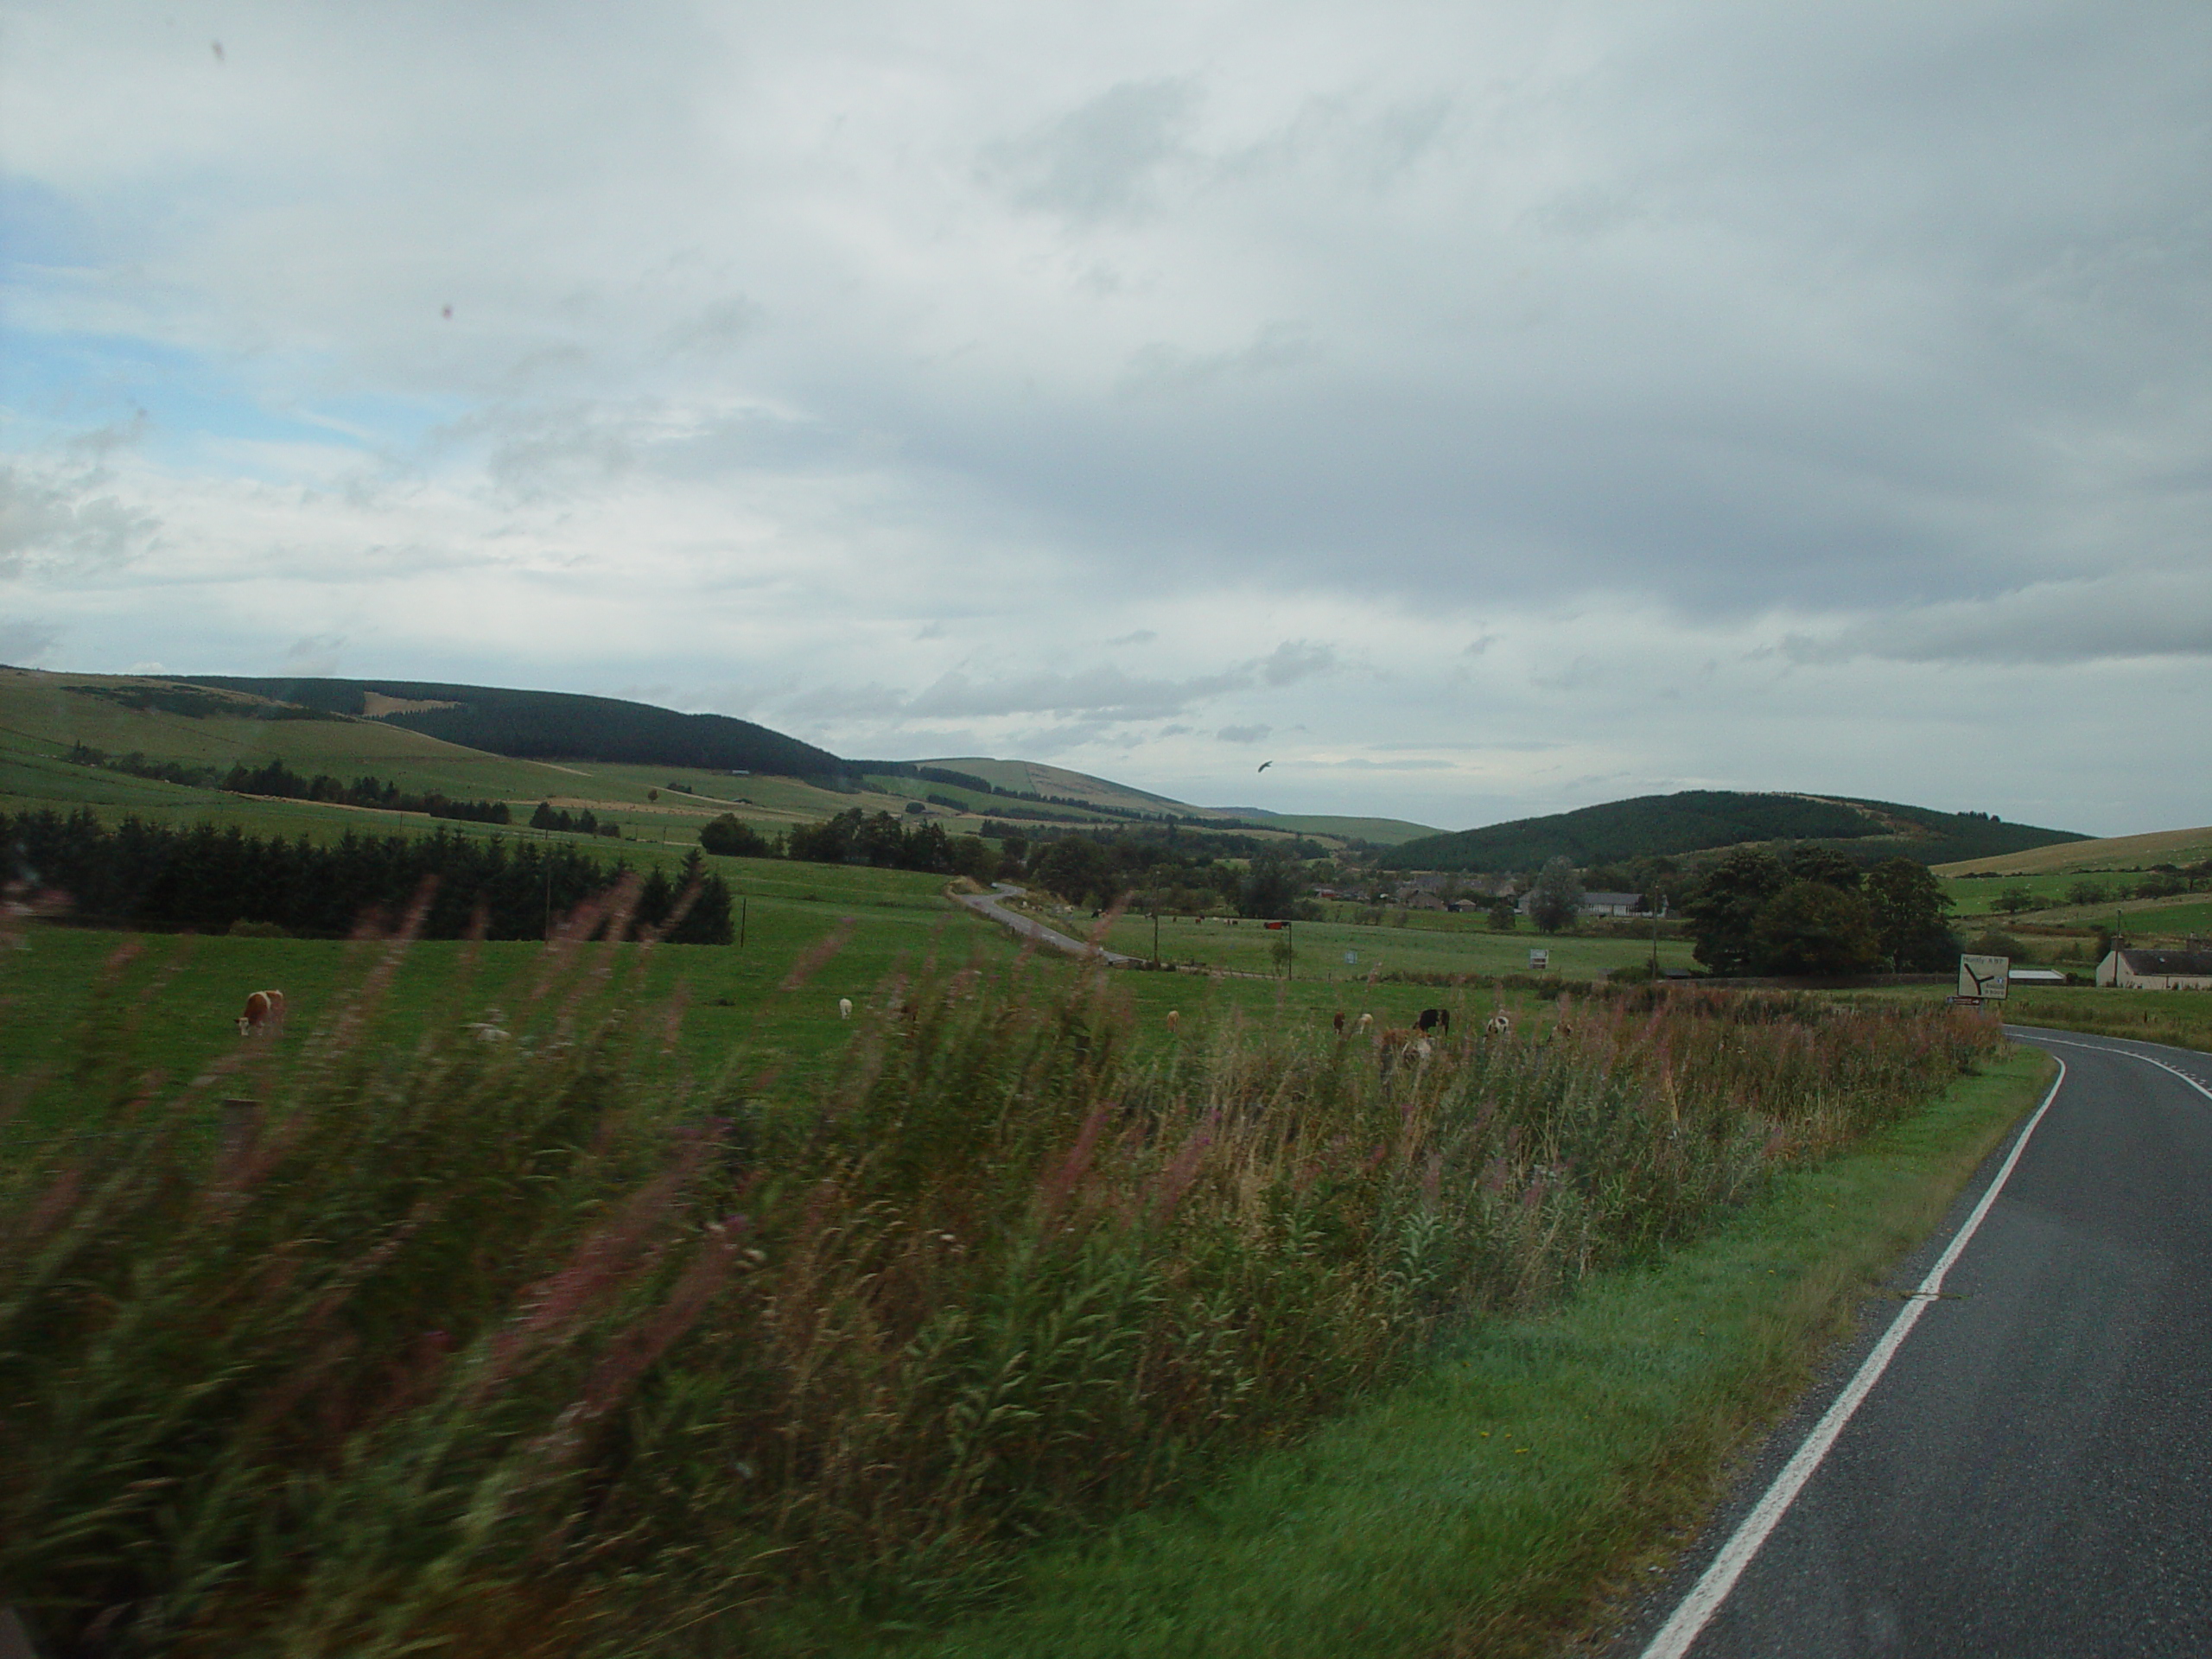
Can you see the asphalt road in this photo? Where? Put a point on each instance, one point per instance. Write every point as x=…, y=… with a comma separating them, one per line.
x=2031, y=1474
x=1029, y=927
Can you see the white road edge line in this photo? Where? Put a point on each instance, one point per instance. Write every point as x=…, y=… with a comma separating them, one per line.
x=2128, y=1054
x=1711, y=1589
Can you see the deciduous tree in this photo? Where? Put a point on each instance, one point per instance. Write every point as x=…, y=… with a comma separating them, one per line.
x=1907, y=904
x=1557, y=895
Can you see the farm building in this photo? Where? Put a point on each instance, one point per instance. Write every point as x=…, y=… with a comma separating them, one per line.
x=1598, y=904
x=2157, y=971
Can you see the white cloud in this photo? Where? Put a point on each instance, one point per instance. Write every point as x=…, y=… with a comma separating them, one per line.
x=1583, y=400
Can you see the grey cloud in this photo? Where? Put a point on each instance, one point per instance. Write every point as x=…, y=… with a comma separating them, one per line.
x=318, y=655
x=1357, y=765
x=2159, y=615
x=105, y=440
x=1242, y=734
x=25, y=644
x=716, y=330
x=1102, y=692
x=56, y=524
x=1297, y=659
x=870, y=702
x=1162, y=368
x=1095, y=162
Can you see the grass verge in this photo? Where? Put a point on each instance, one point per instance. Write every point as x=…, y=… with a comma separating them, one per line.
x=1493, y=1505
x=2181, y=1018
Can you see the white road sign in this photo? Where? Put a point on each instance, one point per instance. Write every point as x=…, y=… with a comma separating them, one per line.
x=1984, y=976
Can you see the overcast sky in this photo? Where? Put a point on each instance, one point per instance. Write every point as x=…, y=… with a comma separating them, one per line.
x=1475, y=409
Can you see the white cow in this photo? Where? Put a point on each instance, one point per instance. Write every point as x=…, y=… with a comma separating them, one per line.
x=844, y=1008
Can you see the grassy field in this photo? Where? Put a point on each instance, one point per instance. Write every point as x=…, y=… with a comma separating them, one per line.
x=882, y=922
x=2181, y=1018
x=1439, y=945
x=1383, y=832
x=2112, y=852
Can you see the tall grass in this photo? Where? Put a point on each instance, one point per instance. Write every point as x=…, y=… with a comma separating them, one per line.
x=500, y=1340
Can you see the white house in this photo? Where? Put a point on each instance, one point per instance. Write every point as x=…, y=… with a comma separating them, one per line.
x=2157, y=971
x=1597, y=904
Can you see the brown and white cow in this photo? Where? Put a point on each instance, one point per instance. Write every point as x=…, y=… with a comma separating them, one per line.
x=263, y=1015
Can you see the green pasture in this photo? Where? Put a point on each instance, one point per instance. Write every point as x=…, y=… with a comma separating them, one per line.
x=867, y=927
x=1979, y=896
x=43, y=719
x=1383, y=832
x=183, y=992
x=1472, y=947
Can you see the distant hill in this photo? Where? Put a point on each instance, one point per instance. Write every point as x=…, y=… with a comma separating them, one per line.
x=1380, y=832
x=2112, y=853
x=1703, y=819
x=551, y=725
x=979, y=780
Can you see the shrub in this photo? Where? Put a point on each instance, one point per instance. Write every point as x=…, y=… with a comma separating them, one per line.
x=730, y=836
x=507, y=1340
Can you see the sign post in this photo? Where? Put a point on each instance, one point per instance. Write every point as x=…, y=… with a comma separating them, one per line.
x=1983, y=979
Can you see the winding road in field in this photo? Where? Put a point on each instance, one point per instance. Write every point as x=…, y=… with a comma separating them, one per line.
x=1028, y=927
x=2025, y=1468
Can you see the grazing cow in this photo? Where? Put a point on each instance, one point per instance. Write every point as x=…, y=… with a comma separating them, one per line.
x=1340, y=1022
x=1366, y=1024
x=263, y=1015
x=1174, y=1022
x=1498, y=1024
x=1437, y=1019
x=844, y=1008
x=1394, y=1044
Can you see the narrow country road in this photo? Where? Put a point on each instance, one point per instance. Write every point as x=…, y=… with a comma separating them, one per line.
x=2030, y=1473
x=1029, y=927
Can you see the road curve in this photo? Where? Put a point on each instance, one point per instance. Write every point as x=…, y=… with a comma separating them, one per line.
x=2030, y=1473
x=1029, y=927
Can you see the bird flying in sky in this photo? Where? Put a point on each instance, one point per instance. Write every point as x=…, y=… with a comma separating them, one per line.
x=1264, y=765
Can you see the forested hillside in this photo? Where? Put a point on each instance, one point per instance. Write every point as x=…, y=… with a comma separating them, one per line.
x=553, y=725
x=1699, y=820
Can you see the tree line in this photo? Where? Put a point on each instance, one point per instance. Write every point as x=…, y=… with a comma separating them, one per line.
x=586, y=822
x=279, y=780
x=1145, y=867
x=203, y=879
x=1817, y=912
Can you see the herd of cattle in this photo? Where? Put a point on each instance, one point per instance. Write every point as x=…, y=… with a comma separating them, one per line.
x=263, y=1015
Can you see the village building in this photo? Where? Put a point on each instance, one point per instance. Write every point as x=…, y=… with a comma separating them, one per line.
x=2157, y=971
x=1598, y=904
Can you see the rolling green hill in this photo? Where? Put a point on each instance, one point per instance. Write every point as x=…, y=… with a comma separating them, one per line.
x=551, y=725
x=1701, y=820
